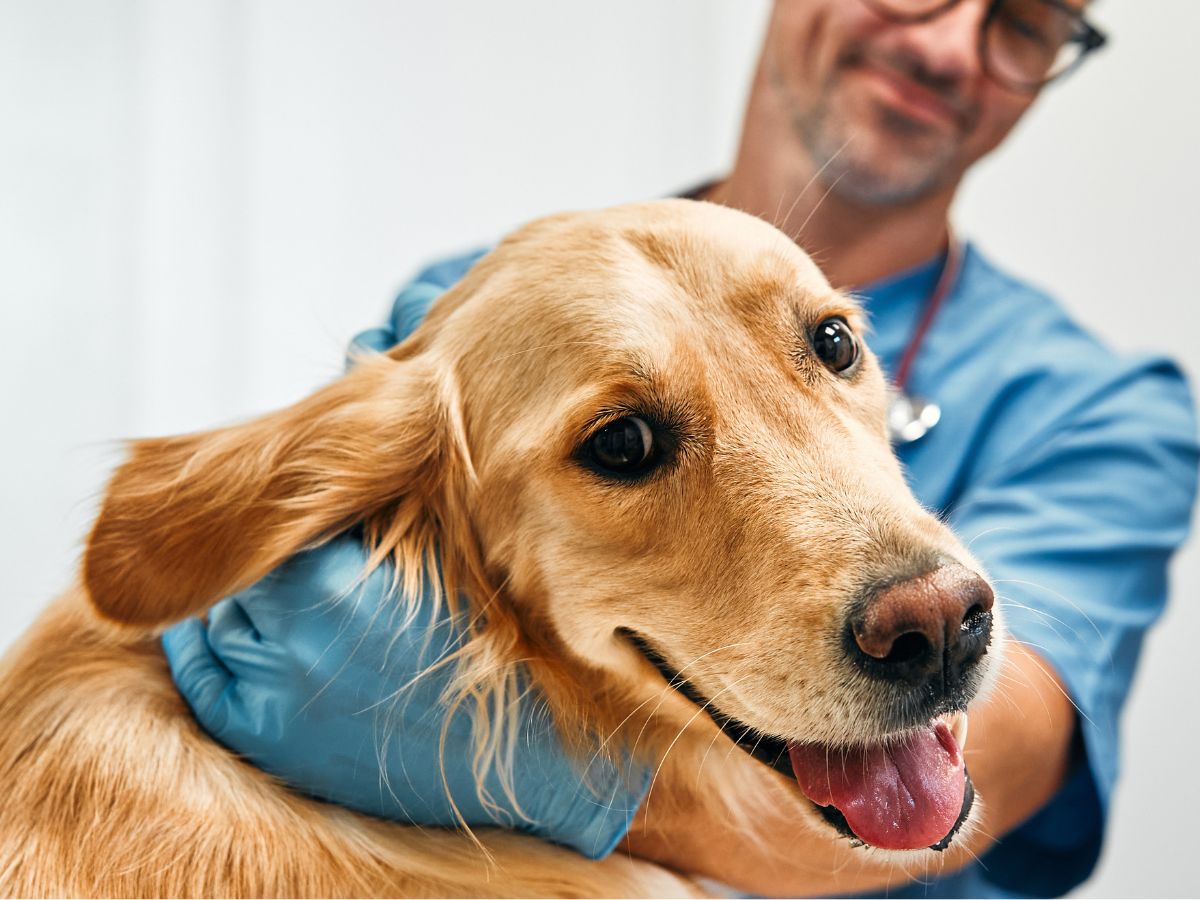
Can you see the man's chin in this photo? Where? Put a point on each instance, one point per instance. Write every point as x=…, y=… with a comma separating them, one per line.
x=885, y=161
x=878, y=179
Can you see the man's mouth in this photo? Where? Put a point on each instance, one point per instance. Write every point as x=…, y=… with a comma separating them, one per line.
x=910, y=791
x=909, y=89
x=909, y=99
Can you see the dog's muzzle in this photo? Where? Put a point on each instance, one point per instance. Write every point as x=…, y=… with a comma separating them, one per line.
x=908, y=792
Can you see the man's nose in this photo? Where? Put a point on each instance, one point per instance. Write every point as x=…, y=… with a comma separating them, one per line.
x=928, y=630
x=948, y=45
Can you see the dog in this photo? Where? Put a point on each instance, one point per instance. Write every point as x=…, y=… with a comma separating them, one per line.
x=652, y=441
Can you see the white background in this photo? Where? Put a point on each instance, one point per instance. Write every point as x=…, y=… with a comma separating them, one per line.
x=201, y=201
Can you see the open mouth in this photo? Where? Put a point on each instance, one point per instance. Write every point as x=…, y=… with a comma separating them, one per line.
x=909, y=792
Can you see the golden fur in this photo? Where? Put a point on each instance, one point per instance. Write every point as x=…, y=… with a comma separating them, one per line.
x=738, y=558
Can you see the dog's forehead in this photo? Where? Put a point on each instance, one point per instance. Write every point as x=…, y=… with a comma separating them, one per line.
x=581, y=296
x=749, y=281
x=705, y=245
x=676, y=259
x=724, y=281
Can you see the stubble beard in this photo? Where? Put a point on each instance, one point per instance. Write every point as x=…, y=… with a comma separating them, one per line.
x=889, y=162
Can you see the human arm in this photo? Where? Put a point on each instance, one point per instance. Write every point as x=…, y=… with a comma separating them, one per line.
x=320, y=676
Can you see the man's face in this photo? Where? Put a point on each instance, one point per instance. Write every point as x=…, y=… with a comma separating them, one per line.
x=890, y=112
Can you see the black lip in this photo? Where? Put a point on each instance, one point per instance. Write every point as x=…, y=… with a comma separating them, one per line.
x=767, y=749
x=770, y=750
x=968, y=802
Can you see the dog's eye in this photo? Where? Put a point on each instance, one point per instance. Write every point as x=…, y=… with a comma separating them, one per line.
x=623, y=447
x=835, y=344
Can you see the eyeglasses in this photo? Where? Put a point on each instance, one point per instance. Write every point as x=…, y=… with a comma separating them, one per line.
x=1023, y=44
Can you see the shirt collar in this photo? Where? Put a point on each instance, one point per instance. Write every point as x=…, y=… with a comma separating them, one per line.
x=903, y=290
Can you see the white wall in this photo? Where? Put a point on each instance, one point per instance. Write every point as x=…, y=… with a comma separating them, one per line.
x=201, y=201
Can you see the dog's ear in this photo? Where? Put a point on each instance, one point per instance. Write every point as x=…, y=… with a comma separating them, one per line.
x=188, y=520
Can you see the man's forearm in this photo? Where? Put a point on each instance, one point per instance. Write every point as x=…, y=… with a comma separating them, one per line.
x=1017, y=753
x=1019, y=744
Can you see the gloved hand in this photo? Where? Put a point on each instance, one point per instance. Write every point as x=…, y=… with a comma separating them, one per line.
x=311, y=674
x=412, y=304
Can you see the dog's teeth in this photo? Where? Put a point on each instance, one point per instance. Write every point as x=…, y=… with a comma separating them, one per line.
x=959, y=730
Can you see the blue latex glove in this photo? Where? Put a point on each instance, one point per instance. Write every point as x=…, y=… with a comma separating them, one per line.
x=310, y=675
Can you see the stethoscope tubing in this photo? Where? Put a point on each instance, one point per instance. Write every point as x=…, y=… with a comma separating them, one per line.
x=910, y=418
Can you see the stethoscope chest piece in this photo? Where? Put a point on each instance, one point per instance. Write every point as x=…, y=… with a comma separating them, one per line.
x=910, y=418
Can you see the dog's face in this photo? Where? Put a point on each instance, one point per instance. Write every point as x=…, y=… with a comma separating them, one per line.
x=701, y=474
x=668, y=445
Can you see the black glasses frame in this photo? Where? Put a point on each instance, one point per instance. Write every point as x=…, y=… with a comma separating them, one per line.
x=1088, y=36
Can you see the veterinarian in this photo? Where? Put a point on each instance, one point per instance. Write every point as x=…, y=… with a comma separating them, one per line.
x=1069, y=472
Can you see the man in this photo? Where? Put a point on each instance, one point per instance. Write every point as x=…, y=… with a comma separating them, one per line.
x=1069, y=473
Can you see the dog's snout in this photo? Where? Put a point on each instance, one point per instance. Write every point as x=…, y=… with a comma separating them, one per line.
x=922, y=630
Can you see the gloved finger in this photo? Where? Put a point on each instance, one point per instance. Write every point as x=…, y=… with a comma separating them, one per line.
x=251, y=640
x=412, y=305
x=410, y=308
x=373, y=340
x=230, y=621
x=201, y=677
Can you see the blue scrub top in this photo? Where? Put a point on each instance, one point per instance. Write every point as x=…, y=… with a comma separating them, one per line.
x=1070, y=473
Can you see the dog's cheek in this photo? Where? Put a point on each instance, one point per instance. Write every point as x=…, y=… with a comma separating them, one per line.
x=590, y=634
x=572, y=590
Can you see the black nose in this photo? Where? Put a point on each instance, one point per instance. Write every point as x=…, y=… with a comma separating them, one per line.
x=923, y=631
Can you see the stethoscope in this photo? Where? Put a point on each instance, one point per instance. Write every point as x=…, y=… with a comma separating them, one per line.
x=910, y=417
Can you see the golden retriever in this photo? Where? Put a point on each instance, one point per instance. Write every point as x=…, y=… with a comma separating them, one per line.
x=649, y=445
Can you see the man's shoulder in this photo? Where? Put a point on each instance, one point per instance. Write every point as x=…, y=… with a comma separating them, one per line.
x=1035, y=344
x=1019, y=378
x=1001, y=304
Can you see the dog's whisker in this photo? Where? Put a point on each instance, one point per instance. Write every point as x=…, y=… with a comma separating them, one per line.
x=1023, y=679
x=1046, y=618
x=708, y=653
x=701, y=710
x=1052, y=678
x=816, y=208
x=804, y=190
x=987, y=531
x=775, y=220
x=717, y=734
x=615, y=731
x=667, y=693
x=1056, y=595
x=1011, y=680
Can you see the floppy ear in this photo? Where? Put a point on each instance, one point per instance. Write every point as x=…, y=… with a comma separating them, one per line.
x=188, y=520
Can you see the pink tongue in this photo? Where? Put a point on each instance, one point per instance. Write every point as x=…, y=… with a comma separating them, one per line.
x=899, y=797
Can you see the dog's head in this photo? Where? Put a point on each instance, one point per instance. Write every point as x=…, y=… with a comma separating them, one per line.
x=649, y=444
